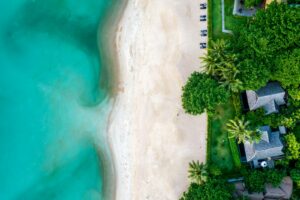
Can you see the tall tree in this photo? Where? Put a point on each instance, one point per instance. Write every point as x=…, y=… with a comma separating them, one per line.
x=201, y=93
x=198, y=172
x=219, y=62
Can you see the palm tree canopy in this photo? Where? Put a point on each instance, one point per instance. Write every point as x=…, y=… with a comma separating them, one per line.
x=239, y=129
x=197, y=172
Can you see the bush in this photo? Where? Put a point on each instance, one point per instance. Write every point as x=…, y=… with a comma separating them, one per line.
x=202, y=93
x=214, y=170
x=295, y=175
x=252, y=3
x=213, y=189
x=274, y=177
x=292, y=147
x=255, y=181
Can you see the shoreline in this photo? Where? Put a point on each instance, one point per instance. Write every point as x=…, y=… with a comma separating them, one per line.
x=151, y=138
x=106, y=40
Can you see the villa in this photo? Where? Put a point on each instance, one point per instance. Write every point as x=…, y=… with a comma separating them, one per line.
x=269, y=98
x=268, y=149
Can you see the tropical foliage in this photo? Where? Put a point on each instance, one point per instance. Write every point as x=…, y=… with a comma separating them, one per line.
x=240, y=129
x=213, y=189
x=255, y=180
x=265, y=42
x=220, y=63
x=201, y=93
x=295, y=175
x=287, y=68
x=198, y=172
x=292, y=147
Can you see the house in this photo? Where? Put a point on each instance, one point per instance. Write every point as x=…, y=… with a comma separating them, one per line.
x=269, y=98
x=269, y=148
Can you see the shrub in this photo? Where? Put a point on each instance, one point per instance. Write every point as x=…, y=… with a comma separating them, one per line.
x=255, y=181
x=274, y=177
x=292, y=147
x=213, y=189
x=295, y=175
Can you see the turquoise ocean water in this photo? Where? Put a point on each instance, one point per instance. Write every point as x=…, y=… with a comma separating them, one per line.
x=53, y=108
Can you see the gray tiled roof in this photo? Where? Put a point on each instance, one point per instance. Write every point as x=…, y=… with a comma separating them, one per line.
x=270, y=145
x=269, y=97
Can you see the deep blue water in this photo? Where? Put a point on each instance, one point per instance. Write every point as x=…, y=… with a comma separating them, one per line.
x=53, y=109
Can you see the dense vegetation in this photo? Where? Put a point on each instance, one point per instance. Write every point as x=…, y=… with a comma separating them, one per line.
x=202, y=93
x=206, y=185
x=213, y=189
x=252, y=3
x=255, y=180
x=264, y=49
x=267, y=44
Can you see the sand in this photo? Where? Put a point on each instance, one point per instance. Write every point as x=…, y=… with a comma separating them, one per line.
x=151, y=137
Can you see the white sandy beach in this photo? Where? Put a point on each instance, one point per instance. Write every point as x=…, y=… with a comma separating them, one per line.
x=152, y=139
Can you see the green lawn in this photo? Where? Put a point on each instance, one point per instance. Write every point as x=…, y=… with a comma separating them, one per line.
x=219, y=147
x=215, y=18
x=221, y=151
x=230, y=20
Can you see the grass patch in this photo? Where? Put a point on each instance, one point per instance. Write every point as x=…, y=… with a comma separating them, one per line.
x=215, y=18
x=235, y=153
x=231, y=21
x=219, y=147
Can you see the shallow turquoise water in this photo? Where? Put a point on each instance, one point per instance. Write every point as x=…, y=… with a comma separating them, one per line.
x=52, y=107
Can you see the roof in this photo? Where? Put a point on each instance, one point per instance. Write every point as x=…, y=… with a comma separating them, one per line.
x=269, y=97
x=269, y=146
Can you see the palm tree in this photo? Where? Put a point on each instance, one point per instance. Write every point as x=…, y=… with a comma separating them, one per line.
x=239, y=129
x=215, y=57
x=229, y=78
x=221, y=64
x=197, y=172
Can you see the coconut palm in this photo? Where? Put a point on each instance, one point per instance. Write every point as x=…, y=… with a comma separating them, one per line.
x=197, y=172
x=239, y=129
x=215, y=57
x=229, y=78
x=221, y=64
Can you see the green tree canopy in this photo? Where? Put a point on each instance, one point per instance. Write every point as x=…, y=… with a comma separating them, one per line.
x=292, y=147
x=253, y=74
x=201, y=93
x=255, y=180
x=287, y=68
x=274, y=176
x=258, y=43
x=213, y=189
